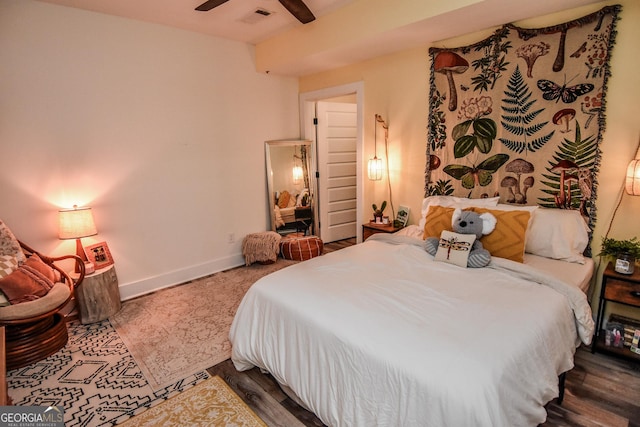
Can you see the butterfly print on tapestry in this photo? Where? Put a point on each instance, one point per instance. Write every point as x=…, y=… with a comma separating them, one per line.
x=552, y=91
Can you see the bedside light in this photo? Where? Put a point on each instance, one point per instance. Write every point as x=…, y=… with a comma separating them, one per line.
x=632, y=184
x=77, y=223
x=375, y=169
x=375, y=165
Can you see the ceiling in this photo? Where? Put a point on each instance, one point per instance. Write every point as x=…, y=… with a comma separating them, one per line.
x=344, y=32
x=235, y=19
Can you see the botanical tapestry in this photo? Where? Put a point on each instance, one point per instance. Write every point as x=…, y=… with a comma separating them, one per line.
x=521, y=114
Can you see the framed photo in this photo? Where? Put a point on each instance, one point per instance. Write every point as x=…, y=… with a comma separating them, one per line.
x=99, y=255
x=403, y=215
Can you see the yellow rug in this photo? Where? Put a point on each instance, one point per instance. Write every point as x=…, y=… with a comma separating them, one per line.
x=210, y=403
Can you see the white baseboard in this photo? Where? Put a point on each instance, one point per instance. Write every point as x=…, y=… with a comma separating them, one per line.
x=172, y=278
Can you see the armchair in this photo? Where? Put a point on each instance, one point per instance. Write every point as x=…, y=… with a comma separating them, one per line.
x=35, y=328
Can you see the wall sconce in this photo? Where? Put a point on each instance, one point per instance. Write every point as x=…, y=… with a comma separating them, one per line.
x=632, y=183
x=77, y=223
x=297, y=169
x=375, y=167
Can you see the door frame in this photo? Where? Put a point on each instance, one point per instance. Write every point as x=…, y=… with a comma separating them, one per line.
x=307, y=107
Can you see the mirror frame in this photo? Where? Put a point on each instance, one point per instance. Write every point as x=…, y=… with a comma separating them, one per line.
x=311, y=162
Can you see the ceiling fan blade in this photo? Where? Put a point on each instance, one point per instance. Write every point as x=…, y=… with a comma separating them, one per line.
x=210, y=4
x=298, y=9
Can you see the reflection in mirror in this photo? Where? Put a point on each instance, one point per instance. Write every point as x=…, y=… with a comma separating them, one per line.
x=290, y=187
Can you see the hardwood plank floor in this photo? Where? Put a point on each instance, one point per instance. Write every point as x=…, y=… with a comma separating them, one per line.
x=600, y=391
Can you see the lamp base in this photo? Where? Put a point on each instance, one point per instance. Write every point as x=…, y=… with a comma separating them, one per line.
x=89, y=267
x=82, y=255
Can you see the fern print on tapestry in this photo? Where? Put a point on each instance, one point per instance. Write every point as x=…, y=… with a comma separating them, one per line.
x=520, y=114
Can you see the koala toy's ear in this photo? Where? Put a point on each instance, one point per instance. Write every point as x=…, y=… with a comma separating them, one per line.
x=456, y=216
x=488, y=223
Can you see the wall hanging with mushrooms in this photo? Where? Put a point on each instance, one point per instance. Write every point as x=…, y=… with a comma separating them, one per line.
x=513, y=115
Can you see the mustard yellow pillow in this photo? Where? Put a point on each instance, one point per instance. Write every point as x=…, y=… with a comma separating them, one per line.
x=283, y=200
x=437, y=220
x=508, y=238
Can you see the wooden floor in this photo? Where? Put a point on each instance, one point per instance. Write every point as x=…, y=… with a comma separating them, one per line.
x=600, y=391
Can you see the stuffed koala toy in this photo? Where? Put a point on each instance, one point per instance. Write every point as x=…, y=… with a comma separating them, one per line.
x=469, y=222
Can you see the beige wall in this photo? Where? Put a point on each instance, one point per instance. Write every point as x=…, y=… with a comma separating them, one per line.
x=160, y=130
x=396, y=86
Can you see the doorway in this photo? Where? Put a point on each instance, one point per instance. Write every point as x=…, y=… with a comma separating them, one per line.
x=336, y=131
x=338, y=170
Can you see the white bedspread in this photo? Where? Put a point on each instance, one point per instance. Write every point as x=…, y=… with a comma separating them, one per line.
x=379, y=334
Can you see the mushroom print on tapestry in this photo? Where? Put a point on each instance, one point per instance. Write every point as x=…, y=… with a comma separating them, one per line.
x=520, y=114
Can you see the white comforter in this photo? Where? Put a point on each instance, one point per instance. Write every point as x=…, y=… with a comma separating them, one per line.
x=379, y=334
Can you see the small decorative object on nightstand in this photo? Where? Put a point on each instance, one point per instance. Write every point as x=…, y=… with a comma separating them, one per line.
x=98, y=296
x=371, y=228
x=624, y=252
x=621, y=289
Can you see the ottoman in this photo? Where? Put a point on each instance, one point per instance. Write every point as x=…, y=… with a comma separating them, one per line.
x=300, y=248
x=261, y=247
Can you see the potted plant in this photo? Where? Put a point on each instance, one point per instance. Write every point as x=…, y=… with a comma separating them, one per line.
x=377, y=213
x=622, y=252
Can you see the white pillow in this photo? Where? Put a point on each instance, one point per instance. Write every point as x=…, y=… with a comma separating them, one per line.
x=411, y=230
x=453, y=202
x=9, y=245
x=557, y=233
x=508, y=207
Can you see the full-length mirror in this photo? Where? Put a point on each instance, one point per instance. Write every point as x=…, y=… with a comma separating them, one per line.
x=290, y=185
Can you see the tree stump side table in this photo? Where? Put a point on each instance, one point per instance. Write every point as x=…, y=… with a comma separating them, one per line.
x=98, y=296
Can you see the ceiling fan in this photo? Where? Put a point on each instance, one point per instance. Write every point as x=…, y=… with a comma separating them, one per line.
x=296, y=7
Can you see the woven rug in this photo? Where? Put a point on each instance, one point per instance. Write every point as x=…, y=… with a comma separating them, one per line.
x=211, y=403
x=179, y=331
x=94, y=377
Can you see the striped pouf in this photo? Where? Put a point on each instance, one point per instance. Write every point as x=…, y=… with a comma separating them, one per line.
x=301, y=248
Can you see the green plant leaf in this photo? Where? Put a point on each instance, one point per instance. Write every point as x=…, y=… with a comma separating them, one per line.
x=460, y=129
x=485, y=128
x=518, y=118
x=464, y=145
x=613, y=248
x=582, y=152
x=484, y=144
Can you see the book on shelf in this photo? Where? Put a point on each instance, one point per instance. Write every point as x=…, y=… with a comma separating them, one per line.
x=630, y=328
x=635, y=342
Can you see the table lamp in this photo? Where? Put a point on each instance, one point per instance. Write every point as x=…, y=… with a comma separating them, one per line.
x=77, y=223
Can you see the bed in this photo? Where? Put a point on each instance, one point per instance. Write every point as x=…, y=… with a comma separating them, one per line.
x=382, y=334
x=284, y=208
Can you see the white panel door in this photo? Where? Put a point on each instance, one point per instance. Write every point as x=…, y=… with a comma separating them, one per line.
x=337, y=162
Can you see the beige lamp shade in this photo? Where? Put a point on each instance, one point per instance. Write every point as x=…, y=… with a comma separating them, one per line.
x=375, y=169
x=633, y=178
x=76, y=223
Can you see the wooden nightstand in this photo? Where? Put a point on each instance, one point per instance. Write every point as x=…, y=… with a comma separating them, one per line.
x=620, y=289
x=371, y=228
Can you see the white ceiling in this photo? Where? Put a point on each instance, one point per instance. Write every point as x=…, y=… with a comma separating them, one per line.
x=379, y=27
x=228, y=20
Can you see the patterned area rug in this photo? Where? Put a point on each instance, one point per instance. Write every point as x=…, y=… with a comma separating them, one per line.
x=94, y=377
x=183, y=330
x=103, y=377
x=211, y=403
